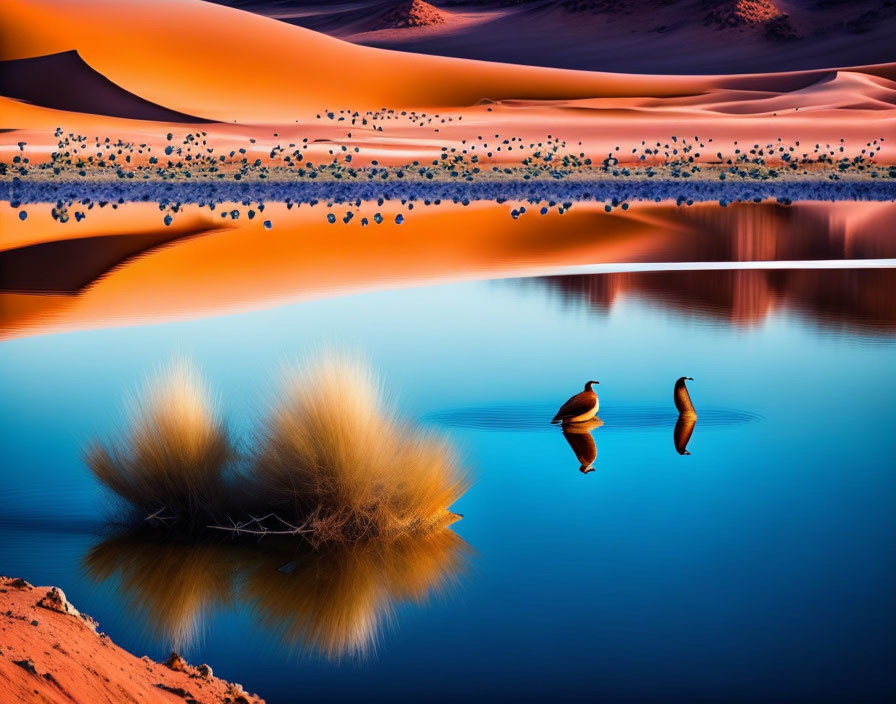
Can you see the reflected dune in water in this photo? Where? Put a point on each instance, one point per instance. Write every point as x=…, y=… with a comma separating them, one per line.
x=332, y=601
x=247, y=266
x=857, y=299
x=303, y=256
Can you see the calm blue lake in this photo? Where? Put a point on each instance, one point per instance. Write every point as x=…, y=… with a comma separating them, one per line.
x=758, y=568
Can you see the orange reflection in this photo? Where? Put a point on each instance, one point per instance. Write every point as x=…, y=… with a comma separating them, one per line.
x=246, y=266
x=681, y=435
x=581, y=442
x=333, y=600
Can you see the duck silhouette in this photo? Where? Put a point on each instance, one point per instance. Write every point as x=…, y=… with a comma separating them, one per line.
x=682, y=398
x=581, y=407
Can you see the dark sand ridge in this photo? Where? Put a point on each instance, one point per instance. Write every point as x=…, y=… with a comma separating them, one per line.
x=638, y=36
x=65, y=82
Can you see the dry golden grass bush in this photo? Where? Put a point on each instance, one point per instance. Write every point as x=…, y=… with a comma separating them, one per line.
x=334, y=458
x=332, y=461
x=370, y=492
x=176, y=453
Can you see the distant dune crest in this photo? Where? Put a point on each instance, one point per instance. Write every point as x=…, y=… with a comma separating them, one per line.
x=629, y=36
x=747, y=13
x=407, y=13
x=611, y=6
x=725, y=14
x=35, y=80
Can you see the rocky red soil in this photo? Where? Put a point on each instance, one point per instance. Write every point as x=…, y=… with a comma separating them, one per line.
x=51, y=653
x=743, y=12
x=753, y=13
x=409, y=13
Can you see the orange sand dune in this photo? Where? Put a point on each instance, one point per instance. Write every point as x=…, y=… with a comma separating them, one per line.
x=224, y=64
x=595, y=126
x=303, y=257
x=221, y=63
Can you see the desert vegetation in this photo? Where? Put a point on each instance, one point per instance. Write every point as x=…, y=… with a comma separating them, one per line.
x=84, y=173
x=174, y=458
x=332, y=462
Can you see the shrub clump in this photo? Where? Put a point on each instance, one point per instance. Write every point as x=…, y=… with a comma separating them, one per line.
x=176, y=454
x=332, y=461
x=334, y=457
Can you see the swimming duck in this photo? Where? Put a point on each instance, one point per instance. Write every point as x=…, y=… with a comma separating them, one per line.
x=682, y=398
x=582, y=406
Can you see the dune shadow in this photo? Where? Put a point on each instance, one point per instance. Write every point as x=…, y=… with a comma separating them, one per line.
x=36, y=80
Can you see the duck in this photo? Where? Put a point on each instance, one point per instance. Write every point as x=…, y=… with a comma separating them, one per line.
x=581, y=407
x=682, y=398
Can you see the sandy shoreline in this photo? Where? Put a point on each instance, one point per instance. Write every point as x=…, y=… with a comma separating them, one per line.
x=51, y=653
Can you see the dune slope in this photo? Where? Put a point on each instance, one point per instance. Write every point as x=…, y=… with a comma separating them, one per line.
x=65, y=82
x=224, y=64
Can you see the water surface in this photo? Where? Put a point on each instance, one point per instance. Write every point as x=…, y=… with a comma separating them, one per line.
x=757, y=568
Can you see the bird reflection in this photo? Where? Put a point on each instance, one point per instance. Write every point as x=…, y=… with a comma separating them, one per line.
x=580, y=439
x=332, y=600
x=684, y=428
x=687, y=415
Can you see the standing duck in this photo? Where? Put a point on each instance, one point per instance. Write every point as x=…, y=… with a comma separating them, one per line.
x=683, y=399
x=582, y=406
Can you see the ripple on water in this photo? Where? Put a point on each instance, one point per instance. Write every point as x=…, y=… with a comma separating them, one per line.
x=538, y=417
